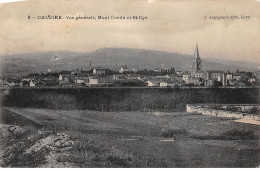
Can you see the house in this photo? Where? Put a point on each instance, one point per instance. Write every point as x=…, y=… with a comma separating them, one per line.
x=251, y=80
x=220, y=76
x=153, y=83
x=119, y=77
x=186, y=78
x=99, y=71
x=28, y=78
x=209, y=83
x=4, y=83
x=179, y=72
x=166, y=70
x=25, y=84
x=237, y=76
x=157, y=70
x=229, y=76
x=179, y=78
x=198, y=74
x=47, y=83
x=163, y=84
x=32, y=83
x=167, y=83
x=66, y=80
x=123, y=69
x=64, y=77
x=7, y=82
x=93, y=81
x=198, y=81
x=133, y=77
x=223, y=79
x=213, y=75
x=164, y=77
x=81, y=78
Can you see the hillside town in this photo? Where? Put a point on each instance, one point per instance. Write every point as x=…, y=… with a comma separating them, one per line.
x=127, y=77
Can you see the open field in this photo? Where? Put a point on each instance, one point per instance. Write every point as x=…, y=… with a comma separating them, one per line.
x=143, y=139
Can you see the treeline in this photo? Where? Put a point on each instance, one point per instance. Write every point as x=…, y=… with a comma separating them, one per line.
x=125, y=99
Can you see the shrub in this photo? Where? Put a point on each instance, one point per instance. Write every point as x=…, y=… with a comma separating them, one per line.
x=254, y=110
x=239, y=135
x=120, y=158
x=172, y=133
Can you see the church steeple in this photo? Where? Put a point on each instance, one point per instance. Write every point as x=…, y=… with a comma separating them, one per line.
x=197, y=61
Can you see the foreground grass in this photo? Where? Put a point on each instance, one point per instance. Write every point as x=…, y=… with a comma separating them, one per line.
x=93, y=151
x=89, y=150
x=167, y=140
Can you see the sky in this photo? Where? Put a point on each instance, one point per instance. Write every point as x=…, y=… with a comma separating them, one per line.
x=171, y=25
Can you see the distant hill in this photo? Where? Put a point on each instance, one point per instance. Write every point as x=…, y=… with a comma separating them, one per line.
x=111, y=58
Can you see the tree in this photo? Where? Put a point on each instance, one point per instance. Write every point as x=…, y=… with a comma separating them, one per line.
x=33, y=75
x=172, y=71
x=202, y=82
x=216, y=84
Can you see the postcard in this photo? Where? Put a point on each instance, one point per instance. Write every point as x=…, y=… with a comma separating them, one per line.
x=129, y=83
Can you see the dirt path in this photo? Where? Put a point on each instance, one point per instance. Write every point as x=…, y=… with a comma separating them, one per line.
x=248, y=121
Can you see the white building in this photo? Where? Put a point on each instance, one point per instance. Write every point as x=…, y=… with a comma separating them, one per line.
x=229, y=76
x=186, y=78
x=123, y=69
x=32, y=84
x=93, y=80
x=98, y=71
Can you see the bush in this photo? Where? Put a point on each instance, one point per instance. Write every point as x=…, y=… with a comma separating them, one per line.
x=120, y=158
x=172, y=133
x=254, y=110
x=124, y=99
x=239, y=135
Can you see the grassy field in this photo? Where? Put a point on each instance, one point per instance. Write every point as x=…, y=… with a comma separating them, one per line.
x=136, y=139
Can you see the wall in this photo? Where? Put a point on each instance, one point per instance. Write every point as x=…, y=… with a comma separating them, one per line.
x=220, y=113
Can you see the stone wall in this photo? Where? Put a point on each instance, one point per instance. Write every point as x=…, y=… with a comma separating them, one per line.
x=220, y=113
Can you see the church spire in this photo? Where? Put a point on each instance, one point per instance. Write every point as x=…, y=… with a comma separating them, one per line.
x=197, y=54
x=197, y=60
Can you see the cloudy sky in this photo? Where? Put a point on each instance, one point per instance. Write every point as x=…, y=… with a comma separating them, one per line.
x=172, y=25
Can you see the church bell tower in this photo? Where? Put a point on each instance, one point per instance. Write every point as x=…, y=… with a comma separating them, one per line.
x=197, y=61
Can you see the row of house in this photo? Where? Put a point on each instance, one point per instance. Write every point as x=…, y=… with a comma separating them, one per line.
x=201, y=78
x=163, y=77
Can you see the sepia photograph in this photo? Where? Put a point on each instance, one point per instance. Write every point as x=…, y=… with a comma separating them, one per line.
x=129, y=84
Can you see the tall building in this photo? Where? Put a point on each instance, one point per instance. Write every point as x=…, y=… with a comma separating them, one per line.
x=197, y=61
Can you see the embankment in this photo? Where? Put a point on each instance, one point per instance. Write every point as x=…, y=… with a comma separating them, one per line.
x=12, y=118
